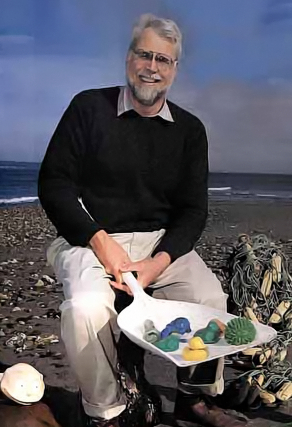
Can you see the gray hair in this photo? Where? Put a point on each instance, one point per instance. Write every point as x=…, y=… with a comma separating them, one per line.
x=165, y=28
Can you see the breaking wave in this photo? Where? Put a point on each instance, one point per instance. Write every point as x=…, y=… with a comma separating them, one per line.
x=17, y=200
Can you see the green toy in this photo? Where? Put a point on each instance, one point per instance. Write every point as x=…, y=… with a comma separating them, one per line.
x=170, y=343
x=151, y=334
x=240, y=331
x=210, y=334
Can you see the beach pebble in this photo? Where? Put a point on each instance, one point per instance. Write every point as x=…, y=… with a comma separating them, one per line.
x=16, y=309
x=52, y=313
x=16, y=340
x=2, y=333
x=48, y=279
x=39, y=284
x=20, y=349
x=7, y=282
x=47, y=339
x=57, y=355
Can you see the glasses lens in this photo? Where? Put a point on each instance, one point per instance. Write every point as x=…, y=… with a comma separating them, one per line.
x=161, y=59
x=143, y=54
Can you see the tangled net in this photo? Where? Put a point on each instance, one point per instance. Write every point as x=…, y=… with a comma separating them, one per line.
x=261, y=288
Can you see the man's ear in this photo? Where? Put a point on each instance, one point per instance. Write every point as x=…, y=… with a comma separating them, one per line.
x=129, y=55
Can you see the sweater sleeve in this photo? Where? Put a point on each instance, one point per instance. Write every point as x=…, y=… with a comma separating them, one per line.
x=60, y=173
x=191, y=200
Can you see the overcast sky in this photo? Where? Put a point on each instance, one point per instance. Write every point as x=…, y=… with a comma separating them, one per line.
x=235, y=74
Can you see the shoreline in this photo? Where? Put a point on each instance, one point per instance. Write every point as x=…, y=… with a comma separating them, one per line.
x=213, y=198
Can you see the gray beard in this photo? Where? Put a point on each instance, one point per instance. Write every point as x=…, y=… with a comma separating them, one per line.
x=146, y=95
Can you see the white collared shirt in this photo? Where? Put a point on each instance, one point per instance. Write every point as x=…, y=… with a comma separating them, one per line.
x=125, y=104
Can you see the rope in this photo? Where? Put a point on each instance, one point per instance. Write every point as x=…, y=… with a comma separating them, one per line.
x=251, y=260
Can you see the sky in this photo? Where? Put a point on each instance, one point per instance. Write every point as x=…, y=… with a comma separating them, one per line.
x=235, y=73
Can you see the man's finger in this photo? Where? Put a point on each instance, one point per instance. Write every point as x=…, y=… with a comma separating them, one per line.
x=131, y=266
x=121, y=287
x=118, y=276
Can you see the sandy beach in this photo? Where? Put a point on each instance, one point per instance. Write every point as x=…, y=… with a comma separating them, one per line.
x=30, y=295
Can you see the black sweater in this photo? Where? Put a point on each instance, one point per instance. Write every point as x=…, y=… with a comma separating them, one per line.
x=132, y=173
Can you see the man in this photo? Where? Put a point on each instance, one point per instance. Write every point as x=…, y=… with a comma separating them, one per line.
x=124, y=181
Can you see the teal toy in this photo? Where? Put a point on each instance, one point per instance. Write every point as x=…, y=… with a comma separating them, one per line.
x=240, y=331
x=151, y=334
x=210, y=334
x=170, y=343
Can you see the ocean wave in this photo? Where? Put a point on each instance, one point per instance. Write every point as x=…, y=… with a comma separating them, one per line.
x=8, y=167
x=268, y=195
x=219, y=189
x=15, y=200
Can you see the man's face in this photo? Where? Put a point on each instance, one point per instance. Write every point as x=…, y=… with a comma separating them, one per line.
x=151, y=68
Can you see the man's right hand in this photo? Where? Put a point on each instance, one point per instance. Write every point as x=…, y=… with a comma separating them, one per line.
x=111, y=255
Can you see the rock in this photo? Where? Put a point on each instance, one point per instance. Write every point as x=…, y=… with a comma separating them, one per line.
x=7, y=282
x=47, y=339
x=48, y=279
x=3, y=297
x=16, y=309
x=57, y=356
x=39, y=284
x=17, y=340
x=52, y=313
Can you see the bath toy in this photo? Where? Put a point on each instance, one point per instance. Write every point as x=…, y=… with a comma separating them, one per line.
x=220, y=324
x=194, y=355
x=180, y=325
x=239, y=331
x=210, y=334
x=196, y=343
x=170, y=343
x=196, y=350
x=22, y=383
x=151, y=334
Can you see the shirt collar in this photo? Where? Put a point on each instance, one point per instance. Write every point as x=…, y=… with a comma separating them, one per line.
x=125, y=104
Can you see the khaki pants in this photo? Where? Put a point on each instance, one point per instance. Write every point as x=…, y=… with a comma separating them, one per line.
x=88, y=316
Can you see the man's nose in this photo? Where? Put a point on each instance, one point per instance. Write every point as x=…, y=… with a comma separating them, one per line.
x=152, y=65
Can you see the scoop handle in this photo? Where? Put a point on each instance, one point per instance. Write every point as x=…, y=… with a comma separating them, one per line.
x=133, y=284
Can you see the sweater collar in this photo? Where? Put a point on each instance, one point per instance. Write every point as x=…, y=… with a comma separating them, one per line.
x=125, y=104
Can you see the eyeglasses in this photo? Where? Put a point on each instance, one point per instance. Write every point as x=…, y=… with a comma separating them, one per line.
x=164, y=61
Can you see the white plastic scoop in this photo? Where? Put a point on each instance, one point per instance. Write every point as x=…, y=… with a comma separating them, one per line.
x=22, y=383
x=131, y=321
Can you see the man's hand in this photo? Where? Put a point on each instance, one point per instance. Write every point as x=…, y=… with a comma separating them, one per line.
x=148, y=270
x=113, y=257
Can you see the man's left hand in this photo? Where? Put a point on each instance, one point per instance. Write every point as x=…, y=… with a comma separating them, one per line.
x=148, y=270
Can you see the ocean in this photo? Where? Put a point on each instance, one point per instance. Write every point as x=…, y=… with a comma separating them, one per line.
x=18, y=185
